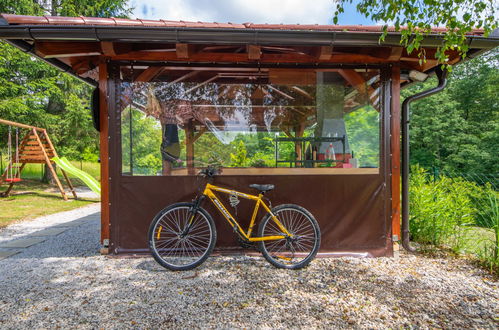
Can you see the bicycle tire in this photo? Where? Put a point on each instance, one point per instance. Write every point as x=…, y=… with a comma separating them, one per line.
x=299, y=222
x=181, y=253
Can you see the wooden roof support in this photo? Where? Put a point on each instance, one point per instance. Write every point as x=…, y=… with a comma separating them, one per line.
x=354, y=79
x=202, y=84
x=184, y=50
x=149, y=74
x=280, y=92
x=66, y=49
x=324, y=53
x=185, y=76
x=243, y=57
x=302, y=92
x=395, y=54
x=254, y=52
x=201, y=131
x=107, y=48
x=82, y=66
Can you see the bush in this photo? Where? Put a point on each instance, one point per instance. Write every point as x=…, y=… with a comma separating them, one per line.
x=455, y=213
x=438, y=208
x=490, y=252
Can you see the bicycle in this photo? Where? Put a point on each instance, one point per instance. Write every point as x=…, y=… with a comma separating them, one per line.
x=183, y=235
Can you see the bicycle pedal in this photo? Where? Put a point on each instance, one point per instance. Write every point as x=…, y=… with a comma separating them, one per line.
x=246, y=244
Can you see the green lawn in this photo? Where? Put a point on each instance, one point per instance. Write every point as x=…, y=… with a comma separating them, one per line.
x=475, y=239
x=35, y=171
x=31, y=199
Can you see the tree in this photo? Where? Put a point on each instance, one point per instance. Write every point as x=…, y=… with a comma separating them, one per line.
x=35, y=93
x=458, y=128
x=415, y=18
x=95, y=8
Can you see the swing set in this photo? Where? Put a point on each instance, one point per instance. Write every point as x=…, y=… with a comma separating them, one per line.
x=34, y=148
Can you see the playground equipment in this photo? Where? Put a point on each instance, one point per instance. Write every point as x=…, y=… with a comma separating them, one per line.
x=35, y=147
x=65, y=165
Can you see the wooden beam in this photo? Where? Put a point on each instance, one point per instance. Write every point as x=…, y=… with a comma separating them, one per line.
x=324, y=53
x=51, y=151
x=201, y=131
x=202, y=84
x=395, y=149
x=82, y=66
x=292, y=77
x=189, y=146
x=13, y=123
x=243, y=57
x=107, y=48
x=48, y=162
x=185, y=76
x=149, y=74
x=354, y=79
x=254, y=52
x=280, y=92
x=184, y=50
x=66, y=49
x=395, y=54
x=104, y=151
x=302, y=92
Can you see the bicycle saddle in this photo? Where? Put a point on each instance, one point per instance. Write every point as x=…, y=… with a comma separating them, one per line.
x=262, y=187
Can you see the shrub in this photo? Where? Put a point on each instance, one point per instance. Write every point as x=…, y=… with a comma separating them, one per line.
x=455, y=213
x=438, y=209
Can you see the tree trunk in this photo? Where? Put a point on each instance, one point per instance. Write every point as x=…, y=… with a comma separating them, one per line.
x=47, y=175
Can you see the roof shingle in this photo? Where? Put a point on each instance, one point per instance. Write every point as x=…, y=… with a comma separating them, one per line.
x=98, y=21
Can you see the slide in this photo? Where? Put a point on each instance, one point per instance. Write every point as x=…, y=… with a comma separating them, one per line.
x=64, y=164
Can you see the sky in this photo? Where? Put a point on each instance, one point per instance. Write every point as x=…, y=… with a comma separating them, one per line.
x=242, y=11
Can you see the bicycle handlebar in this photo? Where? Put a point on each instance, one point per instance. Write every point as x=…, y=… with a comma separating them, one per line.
x=210, y=172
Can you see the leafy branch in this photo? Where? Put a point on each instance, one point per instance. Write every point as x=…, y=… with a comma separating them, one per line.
x=414, y=19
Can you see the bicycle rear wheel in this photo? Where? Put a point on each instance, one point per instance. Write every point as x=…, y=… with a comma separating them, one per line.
x=175, y=248
x=294, y=252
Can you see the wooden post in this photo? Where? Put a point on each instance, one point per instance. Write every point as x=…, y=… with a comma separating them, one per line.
x=167, y=167
x=189, y=146
x=104, y=152
x=63, y=172
x=299, y=130
x=395, y=149
x=49, y=165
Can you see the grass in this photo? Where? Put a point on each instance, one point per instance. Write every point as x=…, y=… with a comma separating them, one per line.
x=35, y=171
x=475, y=239
x=31, y=199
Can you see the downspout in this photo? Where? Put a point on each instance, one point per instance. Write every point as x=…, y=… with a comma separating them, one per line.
x=442, y=81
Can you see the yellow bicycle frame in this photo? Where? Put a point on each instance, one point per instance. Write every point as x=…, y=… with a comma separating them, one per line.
x=208, y=191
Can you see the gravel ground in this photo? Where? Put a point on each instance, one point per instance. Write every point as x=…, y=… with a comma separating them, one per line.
x=64, y=283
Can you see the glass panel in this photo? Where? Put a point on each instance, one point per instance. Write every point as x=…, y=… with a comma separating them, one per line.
x=250, y=121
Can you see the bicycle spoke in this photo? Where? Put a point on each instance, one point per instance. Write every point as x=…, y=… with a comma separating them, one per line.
x=296, y=248
x=174, y=245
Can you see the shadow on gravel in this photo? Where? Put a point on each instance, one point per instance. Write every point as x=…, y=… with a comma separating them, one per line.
x=242, y=291
x=80, y=238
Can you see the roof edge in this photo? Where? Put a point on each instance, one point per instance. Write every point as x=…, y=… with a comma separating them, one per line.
x=221, y=36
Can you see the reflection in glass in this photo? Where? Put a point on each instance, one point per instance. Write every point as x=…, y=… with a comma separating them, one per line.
x=262, y=120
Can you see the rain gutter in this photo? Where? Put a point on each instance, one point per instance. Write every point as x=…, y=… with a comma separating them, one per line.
x=442, y=82
x=221, y=36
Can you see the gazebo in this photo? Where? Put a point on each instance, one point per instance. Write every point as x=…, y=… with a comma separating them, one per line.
x=313, y=109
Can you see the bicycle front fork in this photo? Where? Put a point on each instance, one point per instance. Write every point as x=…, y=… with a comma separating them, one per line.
x=193, y=211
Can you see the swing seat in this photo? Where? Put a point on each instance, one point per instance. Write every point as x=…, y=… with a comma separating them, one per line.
x=13, y=180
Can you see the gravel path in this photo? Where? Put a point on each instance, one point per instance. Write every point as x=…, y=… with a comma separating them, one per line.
x=64, y=282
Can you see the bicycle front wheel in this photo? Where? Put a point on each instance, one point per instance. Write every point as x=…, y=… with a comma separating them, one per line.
x=179, y=239
x=296, y=251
